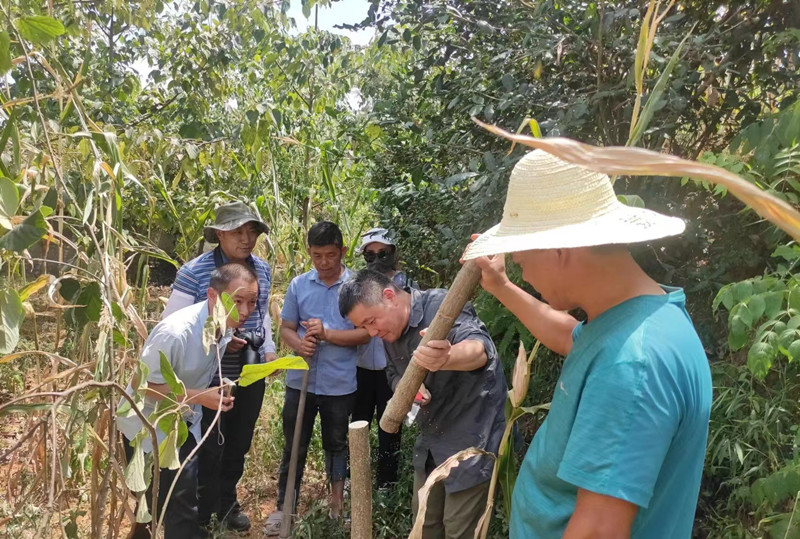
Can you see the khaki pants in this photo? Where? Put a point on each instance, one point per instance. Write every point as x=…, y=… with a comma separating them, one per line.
x=450, y=516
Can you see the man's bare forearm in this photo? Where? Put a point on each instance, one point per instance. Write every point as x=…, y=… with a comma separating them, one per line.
x=466, y=355
x=347, y=337
x=551, y=327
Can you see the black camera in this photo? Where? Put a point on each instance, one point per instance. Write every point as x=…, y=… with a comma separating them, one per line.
x=250, y=354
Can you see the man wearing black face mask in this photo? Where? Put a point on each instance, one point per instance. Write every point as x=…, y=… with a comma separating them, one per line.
x=380, y=254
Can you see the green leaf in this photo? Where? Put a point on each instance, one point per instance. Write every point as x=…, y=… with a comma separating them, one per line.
x=759, y=358
x=787, y=252
x=635, y=201
x=9, y=201
x=787, y=337
x=737, y=334
x=5, y=52
x=12, y=315
x=168, y=451
x=39, y=28
x=757, y=306
x=89, y=298
x=183, y=432
x=143, y=516
x=536, y=131
x=654, y=100
x=170, y=378
x=794, y=350
x=230, y=307
x=506, y=475
x=25, y=234
x=773, y=303
x=743, y=290
x=794, y=298
x=134, y=471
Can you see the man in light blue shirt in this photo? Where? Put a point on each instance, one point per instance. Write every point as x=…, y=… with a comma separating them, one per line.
x=312, y=326
x=621, y=451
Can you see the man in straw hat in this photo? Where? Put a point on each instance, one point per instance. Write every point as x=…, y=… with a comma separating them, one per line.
x=236, y=230
x=621, y=451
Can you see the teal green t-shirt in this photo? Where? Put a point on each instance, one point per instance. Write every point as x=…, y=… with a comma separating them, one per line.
x=629, y=419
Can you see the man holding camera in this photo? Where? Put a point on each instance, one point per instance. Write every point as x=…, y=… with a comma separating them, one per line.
x=236, y=230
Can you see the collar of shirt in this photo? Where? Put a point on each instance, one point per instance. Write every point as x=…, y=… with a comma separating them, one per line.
x=343, y=276
x=417, y=309
x=225, y=259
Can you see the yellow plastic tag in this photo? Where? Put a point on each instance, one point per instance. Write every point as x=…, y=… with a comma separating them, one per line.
x=254, y=373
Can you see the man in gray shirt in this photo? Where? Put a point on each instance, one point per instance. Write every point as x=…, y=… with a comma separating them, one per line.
x=466, y=385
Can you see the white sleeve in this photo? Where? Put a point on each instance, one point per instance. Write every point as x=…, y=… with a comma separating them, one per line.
x=177, y=300
x=269, y=344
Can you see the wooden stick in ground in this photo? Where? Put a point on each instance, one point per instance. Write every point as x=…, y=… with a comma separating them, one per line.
x=361, y=481
x=289, y=499
x=400, y=403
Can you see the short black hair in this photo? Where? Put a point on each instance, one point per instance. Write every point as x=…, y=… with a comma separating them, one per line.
x=325, y=233
x=224, y=275
x=366, y=288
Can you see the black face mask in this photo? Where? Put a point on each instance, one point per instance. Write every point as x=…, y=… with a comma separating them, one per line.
x=382, y=261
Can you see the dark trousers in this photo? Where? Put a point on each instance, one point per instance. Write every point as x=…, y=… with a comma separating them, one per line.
x=222, y=454
x=334, y=414
x=180, y=518
x=371, y=398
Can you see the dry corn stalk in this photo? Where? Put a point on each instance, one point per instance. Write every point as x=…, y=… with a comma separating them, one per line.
x=619, y=160
x=440, y=473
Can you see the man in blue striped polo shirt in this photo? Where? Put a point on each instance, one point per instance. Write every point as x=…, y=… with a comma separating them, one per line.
x=222, y=456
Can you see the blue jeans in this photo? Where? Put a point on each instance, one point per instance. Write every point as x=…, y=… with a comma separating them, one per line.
x=334, y=414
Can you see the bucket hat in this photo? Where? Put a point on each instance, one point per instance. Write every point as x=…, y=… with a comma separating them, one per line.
x=552, y=204
x=232, y=216
x=375, y=235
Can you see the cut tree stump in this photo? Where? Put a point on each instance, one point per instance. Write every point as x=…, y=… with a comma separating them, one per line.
x=361, y=481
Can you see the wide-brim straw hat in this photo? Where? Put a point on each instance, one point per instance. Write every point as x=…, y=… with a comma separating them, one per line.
x=552, y=204
x=230, y=217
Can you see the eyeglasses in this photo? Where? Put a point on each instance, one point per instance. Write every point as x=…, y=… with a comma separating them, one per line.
x=370, y=256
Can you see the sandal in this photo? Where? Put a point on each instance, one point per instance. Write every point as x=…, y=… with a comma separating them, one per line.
x=272, y=527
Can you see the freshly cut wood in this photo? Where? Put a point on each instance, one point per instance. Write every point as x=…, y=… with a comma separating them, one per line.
x=458, y=294
x=361, y=481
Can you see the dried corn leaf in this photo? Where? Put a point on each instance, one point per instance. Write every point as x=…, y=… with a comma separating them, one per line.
x=619, y=160
x=440, y=473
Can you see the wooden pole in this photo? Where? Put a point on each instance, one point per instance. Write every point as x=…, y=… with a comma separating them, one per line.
x=400, y=403
x=289, y=500
x=361, y=479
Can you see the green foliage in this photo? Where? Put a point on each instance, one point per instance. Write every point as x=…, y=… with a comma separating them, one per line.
x=752, y=448
x=5, y=52
x=28, y=232
x=39, y=28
